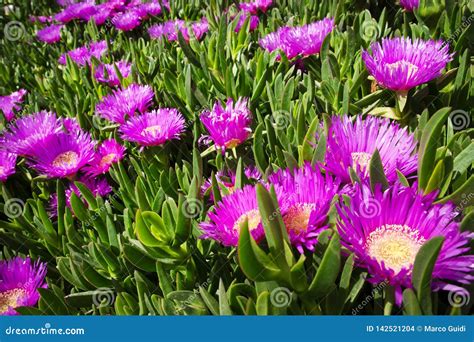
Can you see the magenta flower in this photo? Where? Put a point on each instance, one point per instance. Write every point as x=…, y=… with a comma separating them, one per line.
x=254, y=21
x=106, y=72
x=81, y=10
x=62, y=155
x=154, y=128
x=125, y=103
x=409, y=5
x=82, y=55
x=11, y=103
x=385, y=231
x=400, y=64
x=50, y=34
x=152, y=8
x=255, y=5
x=226, y=180
x=7, y=164
x=24, y=135
x=226, y=218
x=170, y=29
x=305, y=197
x=352, y=144
x=126, y=21
x=20, y=280
x=230, y=126
x=301, y=41
x=98, y=187
x=109, y=152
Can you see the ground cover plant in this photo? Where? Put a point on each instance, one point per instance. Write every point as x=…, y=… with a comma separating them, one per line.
x=215, y=157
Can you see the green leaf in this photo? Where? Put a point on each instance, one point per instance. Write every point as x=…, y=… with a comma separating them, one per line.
x=328, y=270
x=262, y=305
x=143, y=232
x=377, y=174
x=428, y=145
x=255, y=264
x=423, y=269
x=211, y=303
x=224, y=308
x=411, y=306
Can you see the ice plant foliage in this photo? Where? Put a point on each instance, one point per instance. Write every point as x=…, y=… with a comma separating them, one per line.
x=124, y=103
x=228, y=126
x=11, y=103
x=387, y=239
x=352, y=143
x=20, y=279
x=228, y=216
x=305, y=196
x=154, y=128
x=299, y=41
x=400, y=64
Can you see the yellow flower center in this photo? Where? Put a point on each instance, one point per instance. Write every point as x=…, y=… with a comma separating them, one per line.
x=66, y=159
x=412, y=68
x=253, y=218
x=297, y=217
x=108, y=159
x=361, y=160
x=395, y=245
x=153, y=130
x=10, y=299
x=232, y=143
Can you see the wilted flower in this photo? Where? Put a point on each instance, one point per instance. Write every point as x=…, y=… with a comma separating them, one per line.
x=400, y=64
x=11, y=103
x=385, y=231
x=109, y=152
x=352, y=144
x=409, y=5
x=7, y=164
x=20, y=280
x=23, y=136
x=125, y=102
x=301, y=41
x=226, y=218
x=106, y=72
x=305, y=197
x=50, y=34
x=230, y=126
x=154, y=128
x=63, y=155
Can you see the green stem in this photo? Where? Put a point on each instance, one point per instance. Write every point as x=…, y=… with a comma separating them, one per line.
x=389, y=295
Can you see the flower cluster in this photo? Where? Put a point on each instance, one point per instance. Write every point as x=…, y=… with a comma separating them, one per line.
x=300, y=41
x=20, y=280
x=83, y=54
x=170, y=29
